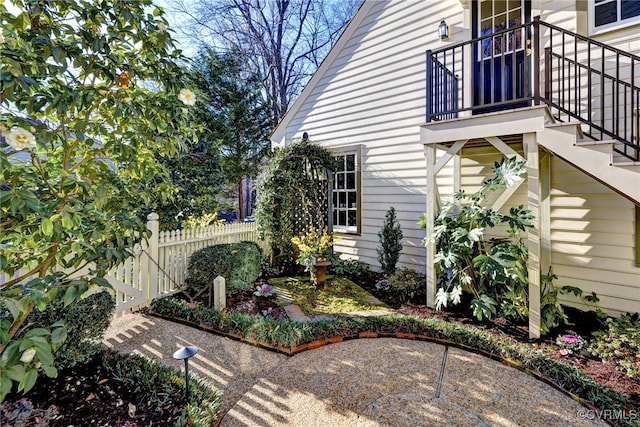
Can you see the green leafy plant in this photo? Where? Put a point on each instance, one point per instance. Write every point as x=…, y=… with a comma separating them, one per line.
x=312, y=247
x=351, y=268
x=292, y=196
x=160, y=384
x=408, y=284
x=390, y=238
x=84, y=110
x=239, y=263
x=619, y=344
x=487, y=269
x=86, y=321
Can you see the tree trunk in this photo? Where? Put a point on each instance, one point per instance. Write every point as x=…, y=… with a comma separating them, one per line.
x=240, y=201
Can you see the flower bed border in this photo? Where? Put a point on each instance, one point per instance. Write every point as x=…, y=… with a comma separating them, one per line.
x=504, y=350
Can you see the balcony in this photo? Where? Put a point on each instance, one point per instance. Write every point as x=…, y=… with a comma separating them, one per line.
x=579, y=79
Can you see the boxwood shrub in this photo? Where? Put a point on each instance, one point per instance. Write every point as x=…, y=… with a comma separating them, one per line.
x=239, y=263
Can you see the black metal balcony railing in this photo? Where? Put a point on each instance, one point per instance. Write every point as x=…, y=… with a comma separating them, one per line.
x=583, y=80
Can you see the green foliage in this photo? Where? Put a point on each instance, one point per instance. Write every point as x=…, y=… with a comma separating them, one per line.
x=90, y=93
x=486, y=269
x=237, y=120
x=619, y=344
x=292, y=196
x=86, y=320
x=160, y=384
x=408, y=285
x=390, y=238
x=350, y=268
x=239, y=263
x=289, y=334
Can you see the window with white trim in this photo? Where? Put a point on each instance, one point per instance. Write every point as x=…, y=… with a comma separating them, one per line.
x=612, y=14
x=346, y=192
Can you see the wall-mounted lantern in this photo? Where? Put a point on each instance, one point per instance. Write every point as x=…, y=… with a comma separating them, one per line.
x=443, y=30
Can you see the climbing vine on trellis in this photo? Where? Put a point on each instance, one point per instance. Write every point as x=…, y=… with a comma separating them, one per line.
x=293, y=194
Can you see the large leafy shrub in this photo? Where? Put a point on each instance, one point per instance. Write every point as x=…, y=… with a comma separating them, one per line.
x=239, y=263
x=390, y=238
x=490, y=270
x=90, y=94
x=620, y=344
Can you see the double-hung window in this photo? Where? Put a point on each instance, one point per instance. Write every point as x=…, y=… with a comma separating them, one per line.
x=612, y=14
x=346, y=192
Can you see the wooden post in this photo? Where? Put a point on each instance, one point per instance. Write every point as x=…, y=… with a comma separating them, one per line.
x=219, y=293
x=430, y=155
x=152, y=251
x=534, y=234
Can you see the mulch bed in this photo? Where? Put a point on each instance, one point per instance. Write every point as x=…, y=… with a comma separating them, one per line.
x=601, y=372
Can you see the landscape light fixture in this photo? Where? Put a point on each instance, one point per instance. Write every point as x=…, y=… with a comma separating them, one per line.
x=443, y=30
x=185, y=353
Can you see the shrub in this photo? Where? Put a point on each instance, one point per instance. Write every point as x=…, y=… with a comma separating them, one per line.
x=86, y=321
x=620, y=344
x=352, y=269
x=239, y=263
x=408, y=284
x=160, y=384
x=466, y=261
x=390, y=238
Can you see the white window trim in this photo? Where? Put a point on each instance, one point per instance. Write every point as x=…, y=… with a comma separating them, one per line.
x=342, y=151
x=591, y=11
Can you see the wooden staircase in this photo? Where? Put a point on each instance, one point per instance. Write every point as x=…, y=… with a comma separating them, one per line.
x=597, y=159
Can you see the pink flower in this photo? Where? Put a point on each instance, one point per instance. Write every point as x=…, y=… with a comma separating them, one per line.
x=570, y=339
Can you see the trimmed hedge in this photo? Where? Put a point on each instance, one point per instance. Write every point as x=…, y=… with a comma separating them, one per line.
x=239, y=263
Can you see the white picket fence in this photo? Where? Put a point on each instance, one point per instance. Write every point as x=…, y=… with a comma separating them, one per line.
x=160, y=264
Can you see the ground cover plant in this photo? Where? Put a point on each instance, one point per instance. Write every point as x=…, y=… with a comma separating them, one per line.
x=541, y=359
x=113, y=389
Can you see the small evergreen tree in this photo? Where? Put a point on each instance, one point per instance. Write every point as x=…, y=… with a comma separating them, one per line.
x=390, y=238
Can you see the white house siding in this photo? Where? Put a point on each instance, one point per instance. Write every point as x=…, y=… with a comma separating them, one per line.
x=592, y=231
x=562, y=13
x=593, y=239
x=373, y=94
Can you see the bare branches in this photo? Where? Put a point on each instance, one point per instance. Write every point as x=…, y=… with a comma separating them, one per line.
x=284, y=41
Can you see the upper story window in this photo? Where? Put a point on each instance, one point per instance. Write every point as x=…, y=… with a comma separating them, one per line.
x=346, y=193
x=612, y=14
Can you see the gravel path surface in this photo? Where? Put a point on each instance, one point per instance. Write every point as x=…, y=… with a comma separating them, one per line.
x=365, y=382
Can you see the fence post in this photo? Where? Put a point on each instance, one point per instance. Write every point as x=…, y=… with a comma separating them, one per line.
x=153, y=250
x=219, y=293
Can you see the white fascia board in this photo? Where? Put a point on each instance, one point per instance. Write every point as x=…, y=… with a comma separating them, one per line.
x=279, y=133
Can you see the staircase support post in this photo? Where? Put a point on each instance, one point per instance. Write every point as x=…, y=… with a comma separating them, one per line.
x=430, y=156
x=534, y=235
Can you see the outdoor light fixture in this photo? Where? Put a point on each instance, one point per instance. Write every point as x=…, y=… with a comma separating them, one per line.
x=443, y=30
x=185, y=353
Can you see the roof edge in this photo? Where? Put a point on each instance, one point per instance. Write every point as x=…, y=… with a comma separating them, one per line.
x=278, y=134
